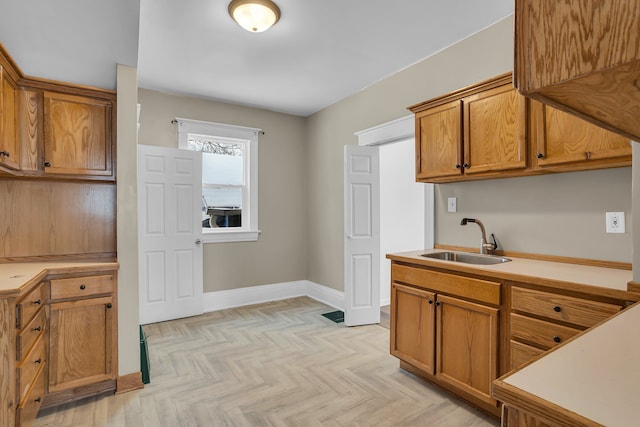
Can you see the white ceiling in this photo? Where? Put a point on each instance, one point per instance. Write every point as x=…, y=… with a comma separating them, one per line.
x=317, y=54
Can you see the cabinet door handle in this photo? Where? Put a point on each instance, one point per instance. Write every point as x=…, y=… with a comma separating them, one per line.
x=540, y=155
x=466, y=165
x=39, y=361
x=5, y=153
x=37, y=399
x=83, y=287
x=430, y=301
x=37, y=302
x=109, y=305
x=47, y=164
x=437, y=303
x=37, y=329
x=557, y=339
x=557, y=309
x=458, y=166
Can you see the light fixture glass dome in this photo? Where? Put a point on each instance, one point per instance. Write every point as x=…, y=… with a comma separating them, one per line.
x=254, y=15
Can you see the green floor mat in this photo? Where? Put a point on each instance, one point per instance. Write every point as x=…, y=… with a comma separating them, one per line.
x=335, y=316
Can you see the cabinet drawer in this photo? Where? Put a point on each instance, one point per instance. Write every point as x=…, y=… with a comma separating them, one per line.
x=577, y=311
x=30, y=304
x=465, y=287
x=27, y=336
x=30, y=405
x=522, y=353
x=538, y=332
x=29, y=367
x=78, y=287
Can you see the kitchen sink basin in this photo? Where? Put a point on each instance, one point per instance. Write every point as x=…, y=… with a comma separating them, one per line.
x=467, y=258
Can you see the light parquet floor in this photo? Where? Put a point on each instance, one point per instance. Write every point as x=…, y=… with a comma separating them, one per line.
x=274, y=364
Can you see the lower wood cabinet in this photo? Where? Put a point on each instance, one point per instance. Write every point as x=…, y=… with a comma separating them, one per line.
x=541, y=319
x=58, y=343
x=82, y=337
x=467, y=346
x=451, y=341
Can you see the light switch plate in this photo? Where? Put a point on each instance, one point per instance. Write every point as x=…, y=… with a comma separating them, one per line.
x=615, y=222
x=452, y=204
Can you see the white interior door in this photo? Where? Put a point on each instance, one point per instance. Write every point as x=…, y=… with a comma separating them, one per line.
x=362, y=235
x=170, y=230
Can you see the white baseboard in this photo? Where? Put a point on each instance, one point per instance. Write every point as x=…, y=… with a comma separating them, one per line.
x=220, y=300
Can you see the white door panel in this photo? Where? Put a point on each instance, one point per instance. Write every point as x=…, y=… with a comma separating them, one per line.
x=169, y=189
x=362, y=236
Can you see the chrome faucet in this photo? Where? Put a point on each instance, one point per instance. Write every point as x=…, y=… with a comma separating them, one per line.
x=485, y=248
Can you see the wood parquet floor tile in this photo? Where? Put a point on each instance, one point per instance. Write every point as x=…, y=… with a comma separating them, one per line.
x=274, y=364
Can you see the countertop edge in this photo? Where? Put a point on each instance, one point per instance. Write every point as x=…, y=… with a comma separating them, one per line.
x=410, y=258
x=50, y=269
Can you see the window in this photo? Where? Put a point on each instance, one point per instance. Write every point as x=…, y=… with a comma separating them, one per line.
x=229, y=178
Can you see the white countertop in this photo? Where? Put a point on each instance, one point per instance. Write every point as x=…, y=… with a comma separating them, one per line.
x=530, y=270
x=597, y=375
x=17, y=274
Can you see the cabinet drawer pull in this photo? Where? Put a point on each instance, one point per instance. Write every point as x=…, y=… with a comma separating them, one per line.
x=109, y=305
x=557, y=309
x=557, y=339
x=39, y=361
x=588, y=154
x=5, y=153
x=540, y=155
x=83, y=287
x=47, y=164
x=37, y=302
x=37, y=329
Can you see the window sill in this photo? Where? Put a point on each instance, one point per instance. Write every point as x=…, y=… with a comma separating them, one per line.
x=230, y=236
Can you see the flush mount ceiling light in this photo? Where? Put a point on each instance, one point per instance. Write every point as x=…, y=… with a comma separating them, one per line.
x=254, y=15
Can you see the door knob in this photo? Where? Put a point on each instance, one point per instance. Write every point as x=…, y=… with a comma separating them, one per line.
x=198, y=241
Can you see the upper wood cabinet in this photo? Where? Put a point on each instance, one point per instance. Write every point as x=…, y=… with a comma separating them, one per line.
x=54, y=129
x=582, y=58
x=566, y=141
x=488, y=130
x=439, y=141
x=9, y=148
x=476, y=131
x=495, y=137
x=77, y=135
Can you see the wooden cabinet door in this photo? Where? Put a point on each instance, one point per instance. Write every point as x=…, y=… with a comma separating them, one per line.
x=9, y=148
x=77, y=135
x=495, y=131
x=563, y=139
x=439, y=141
x=413, y=326
x=82, y=343
x=467, y=346
x=583, y=57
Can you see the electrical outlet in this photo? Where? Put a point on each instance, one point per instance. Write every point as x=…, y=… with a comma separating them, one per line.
x=452, y=204
x=615, y=222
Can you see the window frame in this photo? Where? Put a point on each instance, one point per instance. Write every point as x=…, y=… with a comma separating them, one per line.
x=250, y=231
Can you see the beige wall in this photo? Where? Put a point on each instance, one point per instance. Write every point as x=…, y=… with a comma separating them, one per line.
x=280, y=253
x=561, y=214
x=127, y=231
x=569, y=220
x=479, y=57
x=635, y=224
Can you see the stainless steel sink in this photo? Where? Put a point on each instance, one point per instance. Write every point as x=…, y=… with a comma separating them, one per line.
x=467, y=258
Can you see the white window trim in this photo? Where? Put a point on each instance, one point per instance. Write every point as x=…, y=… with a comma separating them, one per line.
x=251, y=232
